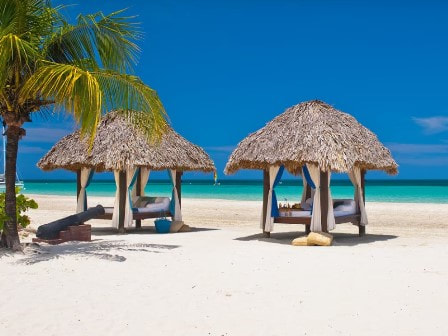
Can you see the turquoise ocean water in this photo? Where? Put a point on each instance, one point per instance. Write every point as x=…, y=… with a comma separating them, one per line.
x=427, y=191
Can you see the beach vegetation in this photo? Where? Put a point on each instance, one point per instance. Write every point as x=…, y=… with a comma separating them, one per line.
x=49, y=65
x=23, y=204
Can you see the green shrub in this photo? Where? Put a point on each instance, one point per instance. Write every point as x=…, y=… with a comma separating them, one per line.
x=23, y=204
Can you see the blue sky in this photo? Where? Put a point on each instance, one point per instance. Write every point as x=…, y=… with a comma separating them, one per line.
x=225, y=68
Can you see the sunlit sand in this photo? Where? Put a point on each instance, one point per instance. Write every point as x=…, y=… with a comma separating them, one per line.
x=223, y=278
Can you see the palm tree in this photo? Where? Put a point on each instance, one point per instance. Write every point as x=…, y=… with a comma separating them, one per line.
x=81, y=69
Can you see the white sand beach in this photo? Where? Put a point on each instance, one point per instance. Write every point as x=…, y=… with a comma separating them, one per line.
x=223, y=278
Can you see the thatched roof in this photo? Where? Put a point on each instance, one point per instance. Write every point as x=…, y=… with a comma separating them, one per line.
x=312, y=132
x=119, y=144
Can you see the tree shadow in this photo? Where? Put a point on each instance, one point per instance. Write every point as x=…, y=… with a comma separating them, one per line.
x=106, y=250
x=4, y=253
x=104, y=231
x=339, y=239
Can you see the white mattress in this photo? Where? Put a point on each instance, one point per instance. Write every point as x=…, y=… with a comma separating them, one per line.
x=340, y=213
x=158, y=204
x=161, y=204
x=348, y=207
x=108, y=210
x=156, y=207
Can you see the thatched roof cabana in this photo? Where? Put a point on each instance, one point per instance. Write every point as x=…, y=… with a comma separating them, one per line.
x=312, y=132
x=313, y=139
x=118, y=144
x=121, y=147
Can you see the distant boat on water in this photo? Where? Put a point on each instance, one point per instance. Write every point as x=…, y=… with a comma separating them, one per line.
x=19, y=183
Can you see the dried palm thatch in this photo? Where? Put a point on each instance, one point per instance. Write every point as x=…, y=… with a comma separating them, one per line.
x=312, y=132
x=118, y=144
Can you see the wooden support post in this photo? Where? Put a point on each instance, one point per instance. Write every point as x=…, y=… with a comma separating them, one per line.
x=362, y=228
x=78, y=186
x=78, y=183
x=179, y=186
x=307, y=195
x=122, y=203
x=307, y=228
x=138, y=222
x=323, y=200
x=265, y=200
x=363, y=185
x=308, y=191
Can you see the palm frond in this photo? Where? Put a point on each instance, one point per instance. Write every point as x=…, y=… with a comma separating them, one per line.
x=109, y=40
x=129, y=93
x=29, y=19
x=17, y=57
x=86, y=95
x=72, y=89
x=81, y=67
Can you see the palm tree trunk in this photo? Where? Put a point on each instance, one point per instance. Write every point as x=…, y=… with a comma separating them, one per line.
x=10, y=237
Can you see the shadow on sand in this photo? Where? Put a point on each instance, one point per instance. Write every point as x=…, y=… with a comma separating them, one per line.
x=339, y=239
x=100, y=249
x=103, y=231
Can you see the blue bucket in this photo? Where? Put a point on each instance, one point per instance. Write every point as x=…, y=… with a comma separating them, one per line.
x=163, y=225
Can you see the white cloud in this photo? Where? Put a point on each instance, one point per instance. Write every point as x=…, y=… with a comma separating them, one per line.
x=418, y=148
x=432, y=125
x=24, y=149
x=431, y=161
x=45, y=134
x=221, y=149
x=420, y=154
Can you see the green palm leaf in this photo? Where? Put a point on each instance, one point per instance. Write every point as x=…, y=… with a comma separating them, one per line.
x=17, y=57
x=131, y=94
x=87, y=94
x=30, y=19
x=107, y=39
x=79, y=68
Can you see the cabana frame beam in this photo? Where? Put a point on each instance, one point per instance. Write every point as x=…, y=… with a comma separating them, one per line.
x=122, y=202
x=78, y=183
x=307, y=195
x=354, y=219
x=308, y=191
x=323, y=200
x=265, y=200
x=138, y=222
x=179, y=186
x=362, y=228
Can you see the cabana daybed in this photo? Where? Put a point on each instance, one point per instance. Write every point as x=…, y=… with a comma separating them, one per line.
x=123, y=149
x=313, y=139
